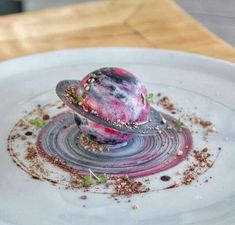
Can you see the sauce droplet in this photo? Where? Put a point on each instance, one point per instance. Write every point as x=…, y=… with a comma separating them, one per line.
x=165, y=178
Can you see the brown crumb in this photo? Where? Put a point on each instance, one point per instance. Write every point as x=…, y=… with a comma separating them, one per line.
x=167, y=104
x=45, y=117
x=35, y=177
x=199, y=121
x=73, y=91
x=210, y=130
x=125, y=186
x=194, y=170
x=92, y=145
x=76, y=181
x=175, y=185
x=31, y=153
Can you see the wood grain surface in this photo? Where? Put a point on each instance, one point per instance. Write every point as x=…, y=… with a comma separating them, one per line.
x=138, y=23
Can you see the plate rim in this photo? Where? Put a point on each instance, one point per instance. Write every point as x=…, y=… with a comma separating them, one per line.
x=7, y=66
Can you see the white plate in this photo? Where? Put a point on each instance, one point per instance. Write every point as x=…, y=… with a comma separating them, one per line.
x=190, y=80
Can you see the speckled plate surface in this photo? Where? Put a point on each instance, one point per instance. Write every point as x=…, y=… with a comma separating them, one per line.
x=198, y=84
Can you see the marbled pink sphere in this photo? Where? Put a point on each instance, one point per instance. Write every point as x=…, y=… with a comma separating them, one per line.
x=116, y=95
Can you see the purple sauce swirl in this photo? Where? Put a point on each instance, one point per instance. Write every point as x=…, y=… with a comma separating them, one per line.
x=140, y=156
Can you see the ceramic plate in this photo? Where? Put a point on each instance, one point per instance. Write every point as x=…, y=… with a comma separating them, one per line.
x=198, y=84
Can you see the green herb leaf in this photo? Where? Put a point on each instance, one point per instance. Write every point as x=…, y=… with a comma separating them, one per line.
x=102, y=179
x=79, y=98
x=88, y=180
x=93, y=178
x=179, y=124
x=150, y=97
x=37, y=122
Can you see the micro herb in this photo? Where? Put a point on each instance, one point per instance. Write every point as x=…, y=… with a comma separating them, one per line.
x=93, y=178
x=37, y=122
x=150, y=97
x=102, y=179
x=179, y=124
x=79, y=98
x=88, y=180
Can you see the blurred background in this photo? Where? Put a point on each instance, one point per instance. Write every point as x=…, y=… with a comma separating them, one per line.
x=217, y=15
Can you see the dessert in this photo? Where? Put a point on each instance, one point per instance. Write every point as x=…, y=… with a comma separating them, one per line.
x=109, y=139
x=110, y=106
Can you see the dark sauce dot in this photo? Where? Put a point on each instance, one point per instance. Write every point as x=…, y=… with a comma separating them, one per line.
x=83, y=197
x=28, y=133
x=165, y=178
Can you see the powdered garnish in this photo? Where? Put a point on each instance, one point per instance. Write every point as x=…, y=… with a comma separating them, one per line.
x=199, y=162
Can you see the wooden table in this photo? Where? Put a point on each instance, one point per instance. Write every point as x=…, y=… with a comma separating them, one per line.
x=139, y=23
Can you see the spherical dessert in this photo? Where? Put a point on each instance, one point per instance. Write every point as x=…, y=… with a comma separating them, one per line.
x=113, y=94
x=109, y=105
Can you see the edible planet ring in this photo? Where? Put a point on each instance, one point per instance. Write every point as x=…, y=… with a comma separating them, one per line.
x=155, y=122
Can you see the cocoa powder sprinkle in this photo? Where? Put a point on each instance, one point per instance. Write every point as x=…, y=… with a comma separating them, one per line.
x=31, y=153
x=125, y=186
